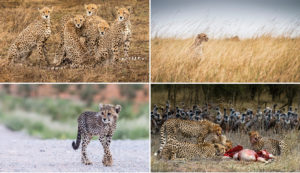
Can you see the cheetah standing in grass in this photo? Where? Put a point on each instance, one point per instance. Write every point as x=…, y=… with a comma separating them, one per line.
x=102, y=124
x=34, y=35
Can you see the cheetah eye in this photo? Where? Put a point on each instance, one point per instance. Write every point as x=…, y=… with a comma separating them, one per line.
x=102, y=113
x=109, y=114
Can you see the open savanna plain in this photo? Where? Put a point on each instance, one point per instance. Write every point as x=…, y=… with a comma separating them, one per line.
x=17, y=15
x=261, y=59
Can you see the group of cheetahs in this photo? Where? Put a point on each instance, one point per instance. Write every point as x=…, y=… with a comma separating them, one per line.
x=102, y=42
x=171, y=147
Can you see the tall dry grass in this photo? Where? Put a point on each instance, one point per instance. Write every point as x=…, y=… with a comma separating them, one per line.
x=263, y=59
x=15, y=15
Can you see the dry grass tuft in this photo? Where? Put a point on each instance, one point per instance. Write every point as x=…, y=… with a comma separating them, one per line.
x=285, y=163
x=16, y=15
x=263, y=59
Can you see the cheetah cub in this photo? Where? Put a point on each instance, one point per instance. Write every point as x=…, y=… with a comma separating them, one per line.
x=33, y=36
x=102, y=46
x=197, y=46
x=91, y=9
x=102, y=124
x=120, y=32
x=72, y=49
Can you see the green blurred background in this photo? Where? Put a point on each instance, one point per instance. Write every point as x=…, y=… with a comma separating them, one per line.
x=51, y=111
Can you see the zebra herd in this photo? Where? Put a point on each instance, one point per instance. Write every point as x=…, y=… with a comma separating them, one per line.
x=269, y=119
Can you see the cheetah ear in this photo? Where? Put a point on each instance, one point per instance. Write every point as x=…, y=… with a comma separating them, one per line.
x=118, y=108
x=116, y=8
x=51, y=9
x=85, y=6
x=129, y=8
x=99, y=6
x=100, y=106
x=40, y=10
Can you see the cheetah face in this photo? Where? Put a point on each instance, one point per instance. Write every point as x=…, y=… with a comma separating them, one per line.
x=91, y=9
x=217, y=129
x=45, y=12
x=123, y=13
x=78, y=21
x=109, y=112
x=254, y=137
x=103, y=27
x=220, y=149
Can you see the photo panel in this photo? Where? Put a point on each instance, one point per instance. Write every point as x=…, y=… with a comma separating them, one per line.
x=225, y=41
x=225, y=127
x=74, y=127
x=74, y=41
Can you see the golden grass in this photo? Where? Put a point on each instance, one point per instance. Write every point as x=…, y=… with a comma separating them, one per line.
x=263, y=59
x=16, y=15
x=284, y=163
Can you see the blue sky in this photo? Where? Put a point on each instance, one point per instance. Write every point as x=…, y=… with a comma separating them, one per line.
x=225, y=18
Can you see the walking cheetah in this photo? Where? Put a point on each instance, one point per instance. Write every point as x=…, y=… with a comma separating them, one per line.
x=197, y=46
x=72, y=49
x=102, y=124
x=34, y=35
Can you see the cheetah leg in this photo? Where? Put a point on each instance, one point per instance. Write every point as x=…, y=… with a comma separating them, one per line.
x=126, y=47
x=115, y=51
x=84, y=159
x=42, y=52
x=107, y=158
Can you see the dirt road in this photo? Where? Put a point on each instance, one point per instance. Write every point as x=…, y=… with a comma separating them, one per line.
x=19, y=152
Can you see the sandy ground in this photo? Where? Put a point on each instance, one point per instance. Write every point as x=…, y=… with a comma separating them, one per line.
x=19, y=152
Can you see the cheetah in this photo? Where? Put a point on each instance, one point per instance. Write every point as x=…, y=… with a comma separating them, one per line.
x=273, y=146
x=120, y=33
x=188, y=128
x=222, y=139
x=197, y=46
x=91, y=33
x=175, y=149
x=88, y=30
x=102, y=124
x=102, y=47
x=91, y=9
x=72, y=49
x=34, y=35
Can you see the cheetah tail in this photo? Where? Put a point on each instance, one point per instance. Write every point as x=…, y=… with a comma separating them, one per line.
x=162, y=140
x=76, y=145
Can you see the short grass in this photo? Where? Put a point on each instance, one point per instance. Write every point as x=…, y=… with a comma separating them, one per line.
x=15, y=15
x=262, y=59
x=286, y=163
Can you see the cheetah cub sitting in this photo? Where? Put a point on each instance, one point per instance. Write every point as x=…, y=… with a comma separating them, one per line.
x=72, y=49
x=33, y=36
x=102, y=124
x=102, y=46
x=120, y=33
